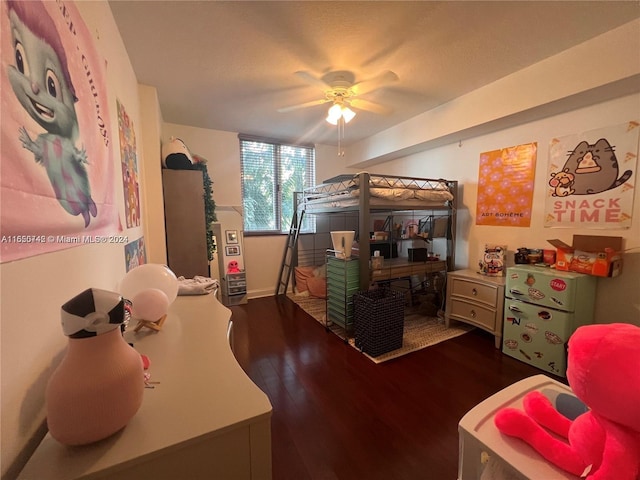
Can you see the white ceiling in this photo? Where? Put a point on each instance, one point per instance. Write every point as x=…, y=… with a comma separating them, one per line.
x=230, y=65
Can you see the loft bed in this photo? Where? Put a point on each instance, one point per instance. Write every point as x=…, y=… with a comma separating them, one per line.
x=391, y=214
x=378, y=192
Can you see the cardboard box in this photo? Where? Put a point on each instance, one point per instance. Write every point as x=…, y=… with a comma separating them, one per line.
x=591, y=254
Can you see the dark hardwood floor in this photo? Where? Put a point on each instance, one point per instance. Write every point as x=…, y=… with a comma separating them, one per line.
x=338, y=415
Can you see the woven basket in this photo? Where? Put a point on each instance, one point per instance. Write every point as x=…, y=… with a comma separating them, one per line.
x=378, y=321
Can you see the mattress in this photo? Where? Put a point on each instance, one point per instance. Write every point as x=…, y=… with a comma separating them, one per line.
x=352, y=200
x=384, y=191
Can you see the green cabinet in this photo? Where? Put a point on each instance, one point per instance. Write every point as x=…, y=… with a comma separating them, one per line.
x=343, y=280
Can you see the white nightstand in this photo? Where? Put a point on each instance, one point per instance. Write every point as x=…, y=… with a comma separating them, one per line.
x=476, y=299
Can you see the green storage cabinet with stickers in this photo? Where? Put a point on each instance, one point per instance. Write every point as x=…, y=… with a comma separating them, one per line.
x=542, y=309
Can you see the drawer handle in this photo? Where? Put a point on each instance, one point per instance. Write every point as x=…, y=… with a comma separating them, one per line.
x=472, y=314
x=513, y=308
x=474, y=292
x=515, y=291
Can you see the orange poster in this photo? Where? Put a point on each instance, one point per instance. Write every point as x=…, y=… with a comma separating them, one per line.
x=505, y=186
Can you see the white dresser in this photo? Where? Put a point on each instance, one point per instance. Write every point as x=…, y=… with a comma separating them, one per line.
x=205, y=418
x=477, y=300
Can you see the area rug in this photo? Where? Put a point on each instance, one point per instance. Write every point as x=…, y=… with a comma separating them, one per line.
x=419, y=331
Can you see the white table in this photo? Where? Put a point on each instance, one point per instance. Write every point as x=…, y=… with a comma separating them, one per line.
x=205, y=419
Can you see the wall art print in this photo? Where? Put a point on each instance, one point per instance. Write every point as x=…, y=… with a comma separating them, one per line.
x=591, y=178
x=129, y=164
x=135, y=254
x=57, y=172
x=505, y=186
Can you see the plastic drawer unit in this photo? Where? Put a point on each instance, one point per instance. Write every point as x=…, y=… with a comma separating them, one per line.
x=483, y=447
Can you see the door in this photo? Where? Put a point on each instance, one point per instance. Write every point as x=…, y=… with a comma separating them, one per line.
x=185, y=222
x=543, y=286
x=537, y=334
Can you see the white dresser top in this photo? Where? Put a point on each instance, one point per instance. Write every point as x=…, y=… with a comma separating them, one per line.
x=203, y=392
x=475, y=275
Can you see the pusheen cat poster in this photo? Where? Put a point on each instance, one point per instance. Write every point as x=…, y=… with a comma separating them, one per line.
x=505, y=186
x=57, y=170
x=129, y=164
x=591, y=178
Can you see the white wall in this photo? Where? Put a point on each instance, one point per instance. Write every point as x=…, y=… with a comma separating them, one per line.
x=457, y=161
x=617, y=298
x=262, y=254
x=151, y=174
x=34, y=289
x=560, y=83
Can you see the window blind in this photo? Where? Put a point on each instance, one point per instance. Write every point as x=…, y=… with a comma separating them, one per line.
x=271, y=173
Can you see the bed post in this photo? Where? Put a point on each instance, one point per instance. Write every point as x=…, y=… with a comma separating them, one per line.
x=451, y=231
x=364, y=219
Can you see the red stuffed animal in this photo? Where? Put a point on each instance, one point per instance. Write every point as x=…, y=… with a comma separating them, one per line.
x=232, y=267
x=603, y=443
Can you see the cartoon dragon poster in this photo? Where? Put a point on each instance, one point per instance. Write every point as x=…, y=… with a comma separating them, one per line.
x=57, y=172
x=591, y=178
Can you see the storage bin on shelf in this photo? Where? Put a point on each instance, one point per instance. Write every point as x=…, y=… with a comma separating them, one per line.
x=378, y=321
x=343, y=281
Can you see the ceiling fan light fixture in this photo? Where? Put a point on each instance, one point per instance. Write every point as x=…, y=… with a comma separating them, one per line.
x=348, y=114
x=331, y=120
x=334, y=114
x=338, y=111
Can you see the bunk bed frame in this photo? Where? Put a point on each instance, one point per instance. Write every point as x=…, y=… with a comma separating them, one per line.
x=360, y=209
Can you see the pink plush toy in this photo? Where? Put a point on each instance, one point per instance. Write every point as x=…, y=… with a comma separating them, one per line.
x=232, y=267
x=603, y=443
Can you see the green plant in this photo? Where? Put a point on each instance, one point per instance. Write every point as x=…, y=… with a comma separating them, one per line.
x=209, y=207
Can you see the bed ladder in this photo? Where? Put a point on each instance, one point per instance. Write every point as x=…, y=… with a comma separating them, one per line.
x=289, y=255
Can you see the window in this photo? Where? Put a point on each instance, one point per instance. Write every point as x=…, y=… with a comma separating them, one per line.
x=271, y=173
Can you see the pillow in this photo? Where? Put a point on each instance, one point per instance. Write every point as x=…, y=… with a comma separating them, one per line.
x=320, y=271
x=317, y=287
x=176, y=155
x=302, y=274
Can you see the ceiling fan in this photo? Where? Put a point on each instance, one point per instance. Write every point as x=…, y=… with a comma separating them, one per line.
x=341, y=91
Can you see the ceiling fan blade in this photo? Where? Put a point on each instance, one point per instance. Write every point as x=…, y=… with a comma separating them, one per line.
x=303, y=105
x=378, y=81
x=369, y=106
x=313, y=80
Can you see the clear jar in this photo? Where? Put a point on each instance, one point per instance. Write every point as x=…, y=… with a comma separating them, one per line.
x=535, y=256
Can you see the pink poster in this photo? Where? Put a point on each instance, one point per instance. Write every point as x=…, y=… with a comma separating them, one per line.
x=57, y=171
x=505, y=186
x=591, y=178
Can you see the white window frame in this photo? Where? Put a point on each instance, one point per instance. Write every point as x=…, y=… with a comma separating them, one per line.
x=273, y=157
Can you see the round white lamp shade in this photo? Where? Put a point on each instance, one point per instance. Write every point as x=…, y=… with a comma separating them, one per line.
x=149, y=276
x=150, y=304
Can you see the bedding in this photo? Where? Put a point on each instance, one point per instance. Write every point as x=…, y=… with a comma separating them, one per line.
x=383, y=191
x=197, y=285
x=384, y=181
